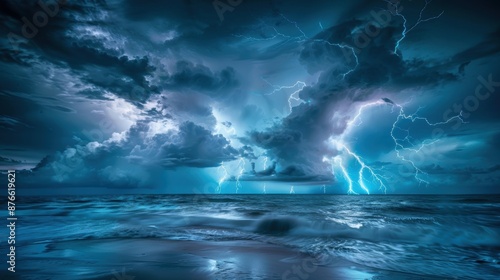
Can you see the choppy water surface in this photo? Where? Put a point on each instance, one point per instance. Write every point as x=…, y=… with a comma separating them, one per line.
x=448, y=236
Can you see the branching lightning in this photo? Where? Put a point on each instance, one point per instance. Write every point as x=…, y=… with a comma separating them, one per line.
x=342, y=46
x=300, y=85
x=277, y=34
x=406, y=30
x=223, y=170
x=294, y=96
x=226, y=128
x=400, y=145
x=338, y=161
x=302, y=38
x=362, y=169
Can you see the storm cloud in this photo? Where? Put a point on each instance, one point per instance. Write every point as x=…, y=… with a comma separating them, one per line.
x=128, y=93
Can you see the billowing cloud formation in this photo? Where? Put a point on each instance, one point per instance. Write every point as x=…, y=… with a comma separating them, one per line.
x=125, y=160
x=119, y=94
x=199, y=77
x=197, y=147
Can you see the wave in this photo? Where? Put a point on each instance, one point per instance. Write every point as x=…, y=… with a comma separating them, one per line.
x=278, y=226
x=388, y=231
x=414, y=230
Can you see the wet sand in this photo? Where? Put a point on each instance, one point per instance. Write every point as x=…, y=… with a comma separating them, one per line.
x=149, y=259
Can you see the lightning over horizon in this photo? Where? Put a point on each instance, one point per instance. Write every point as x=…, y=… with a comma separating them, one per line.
x=399, y=145
x=222, y=178
x=402, y=145
x=397, y=96
x=250, y=139
x=241, y=169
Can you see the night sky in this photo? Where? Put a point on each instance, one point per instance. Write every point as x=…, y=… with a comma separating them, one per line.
x=183, y=96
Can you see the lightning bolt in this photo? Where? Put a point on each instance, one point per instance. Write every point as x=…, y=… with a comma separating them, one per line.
x=399, y=146
x=406, y=30
x=241, y=164
x=223, y=177
x=361, y=179
x=302, y=38
x=342, y=46
x=399, y=143
x=277, y=33
x=264, y=190
x=338, y=161
x=265, y=162
x=291, y=190
x=294, y=96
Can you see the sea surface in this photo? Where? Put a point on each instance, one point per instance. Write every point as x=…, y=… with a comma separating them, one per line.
x=412, y=237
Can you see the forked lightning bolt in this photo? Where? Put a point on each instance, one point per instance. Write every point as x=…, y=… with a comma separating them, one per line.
x=338, y=161
x=400, y=144
x=303, y=38
x=294, y=96
x=362, y=169
x=406, y=30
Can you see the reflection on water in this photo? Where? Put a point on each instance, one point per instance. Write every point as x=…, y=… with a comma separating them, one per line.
x=448, y=236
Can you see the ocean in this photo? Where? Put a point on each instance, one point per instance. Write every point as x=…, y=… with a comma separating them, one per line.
x=257, y=237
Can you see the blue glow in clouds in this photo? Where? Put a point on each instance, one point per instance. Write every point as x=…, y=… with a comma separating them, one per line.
x=345, y=153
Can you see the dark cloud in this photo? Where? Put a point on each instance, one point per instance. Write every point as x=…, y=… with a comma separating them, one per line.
x=247, y=152
x=475, y=176
x=301, y=139
x=64, y=44
x=4, y=160
x=488, y=47
x=197, y=77
x=126, y=162
x=181, y=107
x=10, y=123
x=370, y=64
x=195, y=146
x=205, y=90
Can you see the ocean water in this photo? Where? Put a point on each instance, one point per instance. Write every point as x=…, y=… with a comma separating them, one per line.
x=448, y=237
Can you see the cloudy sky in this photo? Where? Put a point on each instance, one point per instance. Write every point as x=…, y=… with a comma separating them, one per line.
x=183, y=96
